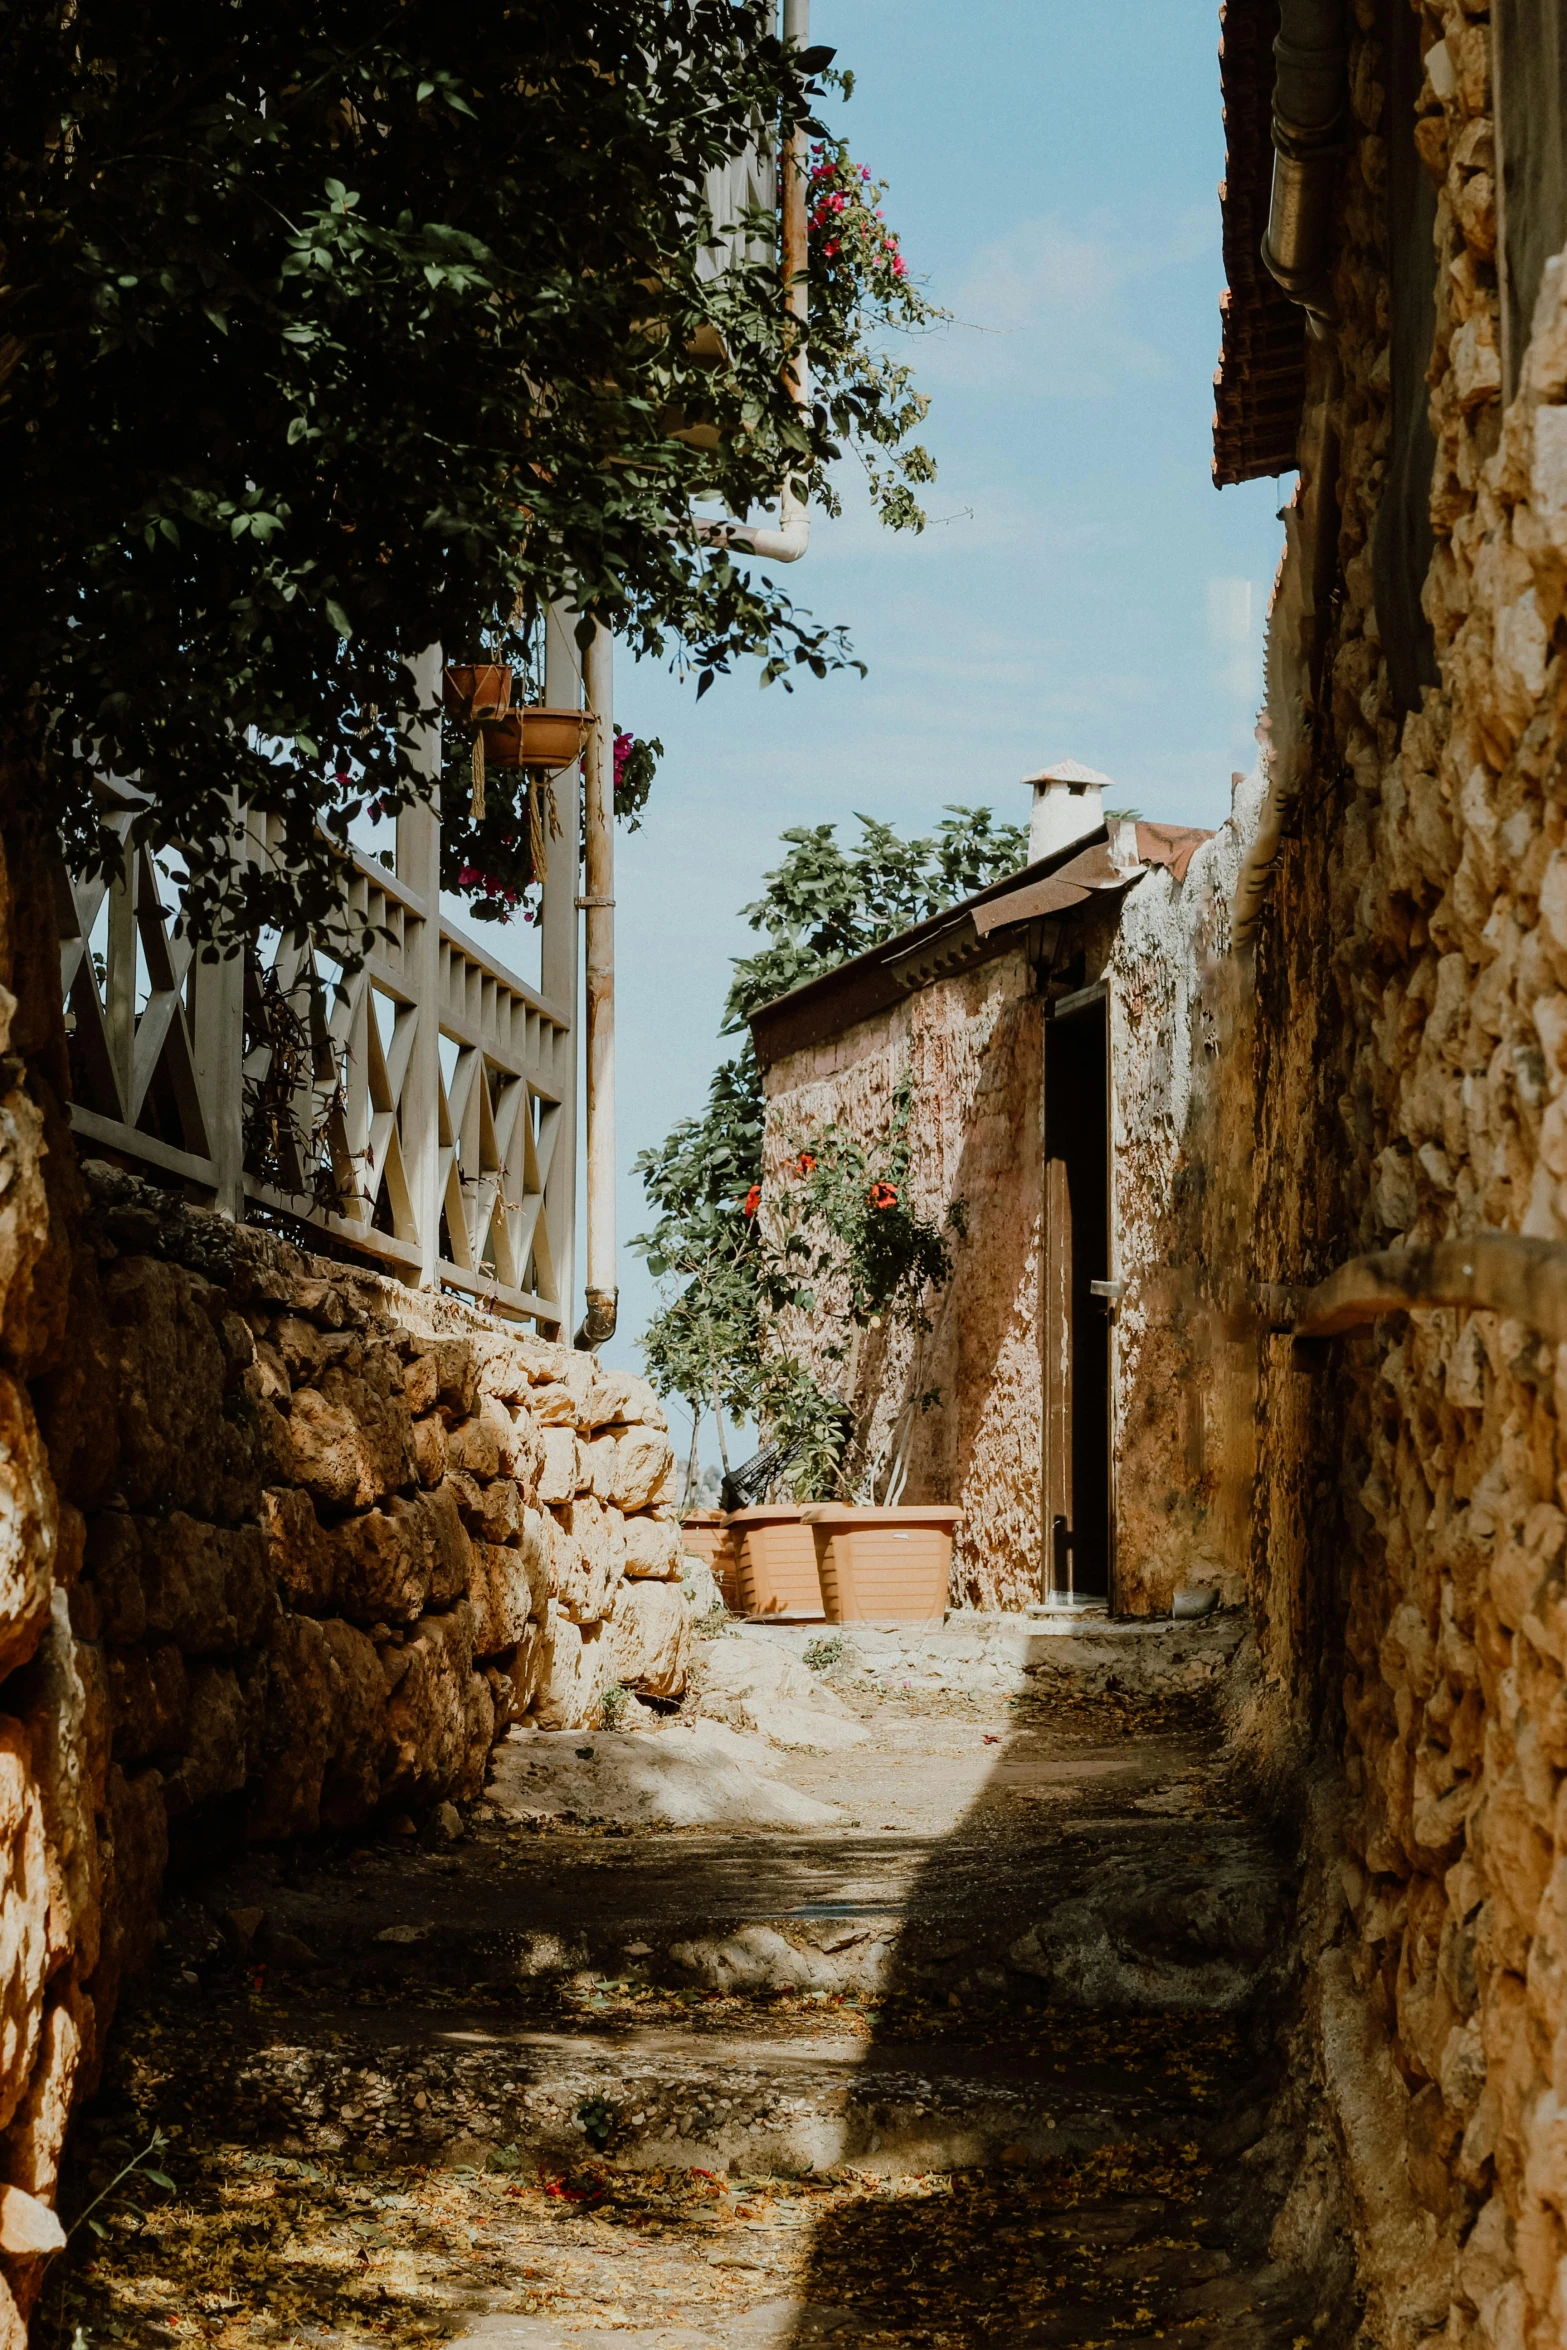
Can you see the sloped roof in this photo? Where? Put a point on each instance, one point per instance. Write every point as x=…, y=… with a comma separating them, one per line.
x=963, y=935
x=1260, y=385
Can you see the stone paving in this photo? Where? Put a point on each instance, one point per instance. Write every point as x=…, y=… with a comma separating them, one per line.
x=1008, y=2064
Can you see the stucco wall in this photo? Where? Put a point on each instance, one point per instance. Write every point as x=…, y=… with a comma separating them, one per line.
x=971, y=1046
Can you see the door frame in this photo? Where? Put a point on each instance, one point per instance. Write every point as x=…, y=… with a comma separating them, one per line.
x=1055, y=1275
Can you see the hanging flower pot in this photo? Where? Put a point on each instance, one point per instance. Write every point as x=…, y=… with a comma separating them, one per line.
x=537, y=737
x=478, y=692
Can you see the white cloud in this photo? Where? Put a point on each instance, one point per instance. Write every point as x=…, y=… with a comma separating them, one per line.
x=1047, y=305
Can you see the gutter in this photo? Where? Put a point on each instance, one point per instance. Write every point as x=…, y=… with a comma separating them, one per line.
x=1308, y=111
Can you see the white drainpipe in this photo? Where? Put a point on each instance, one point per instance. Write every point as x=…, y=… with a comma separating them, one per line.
x=792, y=537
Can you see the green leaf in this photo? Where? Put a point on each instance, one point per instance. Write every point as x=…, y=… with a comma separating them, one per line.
x=339, y=618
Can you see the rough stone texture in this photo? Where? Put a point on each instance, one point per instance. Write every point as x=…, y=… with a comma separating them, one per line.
x=971, y=1046
x=1388, y=1067
x=279, y=1544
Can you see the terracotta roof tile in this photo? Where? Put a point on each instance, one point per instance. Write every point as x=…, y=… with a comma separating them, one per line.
x=1261, y=379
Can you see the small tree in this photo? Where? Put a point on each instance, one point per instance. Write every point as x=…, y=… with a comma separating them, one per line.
x=330, y=331
x=822, y=904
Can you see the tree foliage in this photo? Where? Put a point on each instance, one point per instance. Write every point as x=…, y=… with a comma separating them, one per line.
x=824, y=903
x=330, y=330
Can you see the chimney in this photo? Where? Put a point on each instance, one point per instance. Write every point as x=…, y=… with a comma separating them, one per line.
x=1068, y=806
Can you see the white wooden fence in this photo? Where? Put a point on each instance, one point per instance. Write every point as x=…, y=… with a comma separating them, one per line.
x=418, y=1111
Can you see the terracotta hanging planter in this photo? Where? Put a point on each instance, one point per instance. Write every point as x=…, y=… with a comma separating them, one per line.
x=882, y=1566
x=537, y=737
x=478, y=692
x=777, y=1565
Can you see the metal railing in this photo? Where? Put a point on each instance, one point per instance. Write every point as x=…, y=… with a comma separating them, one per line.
x=417, y=1109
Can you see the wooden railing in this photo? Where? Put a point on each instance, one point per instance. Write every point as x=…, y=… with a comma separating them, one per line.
x=414, y=1110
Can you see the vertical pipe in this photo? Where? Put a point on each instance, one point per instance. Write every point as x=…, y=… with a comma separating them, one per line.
x=598, y=900
x=795, y=167
x=419, y=867
x=559, y=959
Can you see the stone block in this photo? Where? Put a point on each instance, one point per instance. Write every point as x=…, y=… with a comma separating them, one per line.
x=178, y=1450
x=455, y=1374
x=653, y=1548
x=299, y=1550
x=207, y=1588
x=645, y=1460
x=572, y=1671
x=472, y=1444
x=598, y=1470
x=215, y=1759
x=621, y=1396
x=149, y=1700
x=558, y=1476
x=32, y=2146
x=651, y=1638
x=295, y=1695
x=351, y=1444
x=351, y=1781
x=24, y=1918
x=430, y=1449
x=135, y=1855
x=500, y=1594
x=598, y=1541
x=427, y=1720
x=27, y=1528
x=392, y=1562
x=113, y=1563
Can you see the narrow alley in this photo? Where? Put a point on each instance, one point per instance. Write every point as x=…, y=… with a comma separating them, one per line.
x=991, y=2043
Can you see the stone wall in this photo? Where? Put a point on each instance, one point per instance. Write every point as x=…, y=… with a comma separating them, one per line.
x=971, y=1047
x=354, y=1530
x=1393, y=1069
x=331, y=1537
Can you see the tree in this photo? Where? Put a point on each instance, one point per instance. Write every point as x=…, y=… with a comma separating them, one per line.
x=330, y=330
x=822, y=904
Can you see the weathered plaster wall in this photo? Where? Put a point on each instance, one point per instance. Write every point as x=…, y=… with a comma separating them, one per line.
x=971, y=1046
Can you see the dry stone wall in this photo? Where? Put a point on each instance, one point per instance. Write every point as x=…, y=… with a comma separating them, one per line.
x=328, y=1539
x=1393, y=1069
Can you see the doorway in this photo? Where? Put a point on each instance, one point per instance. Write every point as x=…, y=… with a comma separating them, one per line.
x=1078, y=1526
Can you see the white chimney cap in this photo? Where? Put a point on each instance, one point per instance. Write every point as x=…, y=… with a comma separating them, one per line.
x=1070, y=771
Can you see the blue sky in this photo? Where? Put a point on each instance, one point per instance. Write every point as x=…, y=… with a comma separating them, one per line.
x=1082, y=591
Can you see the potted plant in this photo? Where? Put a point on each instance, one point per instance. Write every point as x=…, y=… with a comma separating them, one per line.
x=536, y=736
x=477, y=692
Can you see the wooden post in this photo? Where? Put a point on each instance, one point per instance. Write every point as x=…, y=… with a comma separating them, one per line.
x=419, y=868
x=218, y=1048
x=559, y=957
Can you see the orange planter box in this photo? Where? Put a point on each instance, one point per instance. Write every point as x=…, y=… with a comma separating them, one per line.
x=777, y=1567
x=884, y=1566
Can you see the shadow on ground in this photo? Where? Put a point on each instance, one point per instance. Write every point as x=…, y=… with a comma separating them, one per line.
x=1000, y=2056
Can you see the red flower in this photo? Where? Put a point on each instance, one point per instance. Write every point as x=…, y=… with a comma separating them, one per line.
x=882, y=1195
x=805, y=1164
x=753, y=1199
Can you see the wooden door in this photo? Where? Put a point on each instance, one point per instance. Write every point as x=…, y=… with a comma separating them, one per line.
x=1076, y=1323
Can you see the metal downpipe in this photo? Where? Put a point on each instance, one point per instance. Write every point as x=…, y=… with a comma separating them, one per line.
x=598, y=905
x=1311, y=57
